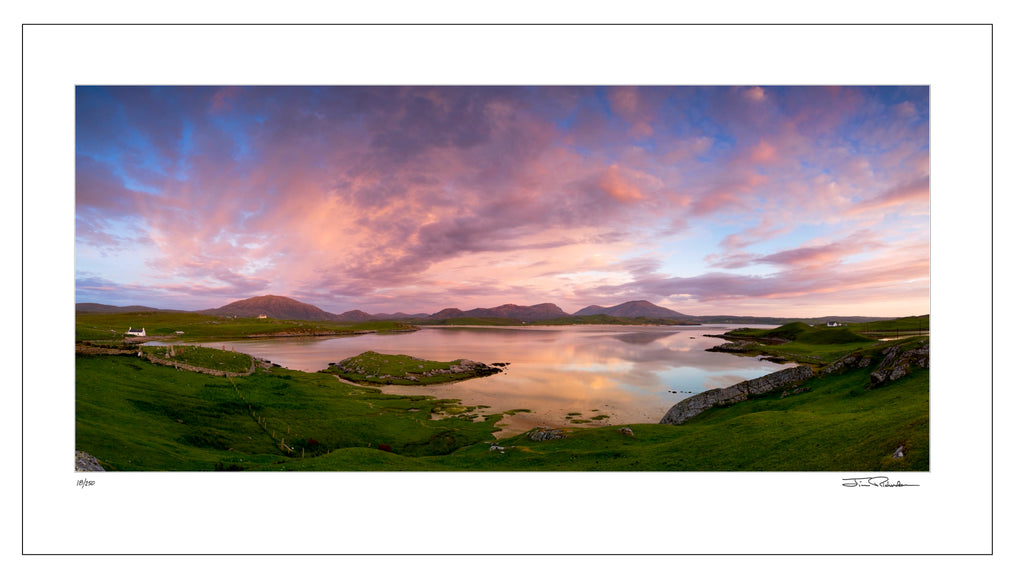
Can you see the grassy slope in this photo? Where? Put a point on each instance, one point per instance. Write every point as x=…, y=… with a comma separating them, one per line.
x=127, y=414
x=128, y=410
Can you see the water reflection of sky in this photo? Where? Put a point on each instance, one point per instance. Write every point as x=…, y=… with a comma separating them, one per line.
x=632, y=374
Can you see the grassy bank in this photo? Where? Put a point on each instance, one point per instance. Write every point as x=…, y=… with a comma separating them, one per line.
x=374, y=368
x=797, y=342
x=133, y=415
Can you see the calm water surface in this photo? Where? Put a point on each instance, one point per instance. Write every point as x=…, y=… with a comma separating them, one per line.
x=633, y=374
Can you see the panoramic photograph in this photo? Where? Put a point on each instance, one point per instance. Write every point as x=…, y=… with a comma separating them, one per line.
x=502, y=278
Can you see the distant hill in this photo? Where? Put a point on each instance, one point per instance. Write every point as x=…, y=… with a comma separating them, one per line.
x=274, y=307
x=400, y=316
x=635, y=309
x=355, y=315
x=449, y=313
x=541, y=312
x=99, y=308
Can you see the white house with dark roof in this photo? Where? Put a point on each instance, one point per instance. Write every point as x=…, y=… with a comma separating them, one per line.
x=136, y=332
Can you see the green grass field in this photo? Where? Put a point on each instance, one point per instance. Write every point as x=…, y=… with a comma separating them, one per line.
x=903, y=326
x=133, y=415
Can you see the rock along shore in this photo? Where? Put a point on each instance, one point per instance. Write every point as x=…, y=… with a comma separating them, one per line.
x=86, y=463
x=692, y=406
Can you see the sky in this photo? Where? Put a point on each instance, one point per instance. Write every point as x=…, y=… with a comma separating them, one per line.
x=743, y=200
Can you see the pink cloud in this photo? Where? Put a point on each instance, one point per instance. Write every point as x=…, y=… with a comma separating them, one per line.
x=767, y=229
x=627, y=102
x=728, y=193
x=621, y=184
x=763, y=153
x=819, y=255
x=904, y=196
x=755, y=93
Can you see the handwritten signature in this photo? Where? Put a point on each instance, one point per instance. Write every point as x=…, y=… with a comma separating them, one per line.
x=879, y=481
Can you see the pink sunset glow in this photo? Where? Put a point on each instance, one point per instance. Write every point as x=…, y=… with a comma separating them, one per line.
x=781, y=201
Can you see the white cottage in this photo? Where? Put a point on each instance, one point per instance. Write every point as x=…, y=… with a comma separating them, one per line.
x=136, y=332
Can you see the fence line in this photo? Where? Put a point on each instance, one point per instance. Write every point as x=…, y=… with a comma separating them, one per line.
x=262, y=422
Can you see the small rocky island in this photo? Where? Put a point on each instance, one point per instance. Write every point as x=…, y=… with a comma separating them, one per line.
x=372, y=368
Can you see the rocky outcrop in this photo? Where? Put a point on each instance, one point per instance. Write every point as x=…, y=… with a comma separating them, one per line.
x=733, y=347
x=464, y=366
x=544, y=434
x=896, y=364
x=896, y=361
x=86, y=463
x=460, y=369
x=692, y=406
x=852, y=361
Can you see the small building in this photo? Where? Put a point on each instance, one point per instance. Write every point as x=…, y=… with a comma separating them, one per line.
x=261, y=316
x=136, y=332
x=834, y=324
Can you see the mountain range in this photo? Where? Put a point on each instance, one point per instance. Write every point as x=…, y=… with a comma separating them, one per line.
x=541, y=312
x=278, y=307
x=635, y=309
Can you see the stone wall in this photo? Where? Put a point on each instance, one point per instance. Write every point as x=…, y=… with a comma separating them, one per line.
x=691, y=406
x=178, y=365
